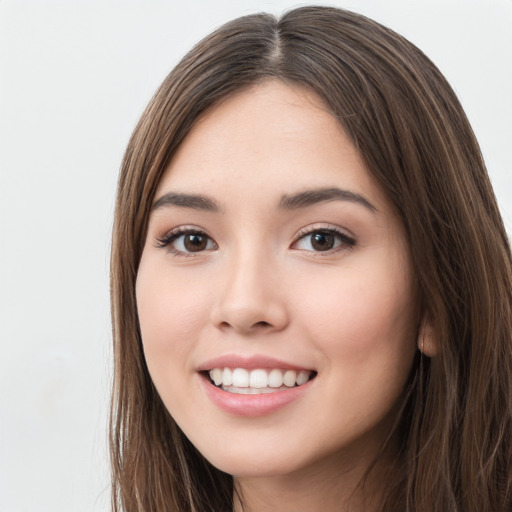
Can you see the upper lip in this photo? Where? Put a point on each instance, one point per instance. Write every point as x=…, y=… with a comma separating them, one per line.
x=248, y=362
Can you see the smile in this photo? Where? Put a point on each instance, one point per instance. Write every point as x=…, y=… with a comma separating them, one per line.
x=259, y=380
x=256, y=385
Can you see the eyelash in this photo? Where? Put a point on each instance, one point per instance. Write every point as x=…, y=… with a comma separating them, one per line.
x=171, y=236
x=345, y=241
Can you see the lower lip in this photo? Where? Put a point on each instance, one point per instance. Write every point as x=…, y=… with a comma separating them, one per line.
x=252, y=405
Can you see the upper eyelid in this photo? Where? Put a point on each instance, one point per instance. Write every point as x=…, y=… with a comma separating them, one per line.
x=312, y=228
x=348, y=241
x=171, y=234
x=183, y=229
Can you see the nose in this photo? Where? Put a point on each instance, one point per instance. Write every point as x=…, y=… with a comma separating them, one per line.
x=251, y=299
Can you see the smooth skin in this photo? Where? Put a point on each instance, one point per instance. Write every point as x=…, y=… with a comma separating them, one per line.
x=232, y=266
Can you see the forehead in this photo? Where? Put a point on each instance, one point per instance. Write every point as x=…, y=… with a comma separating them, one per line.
x=272, y=136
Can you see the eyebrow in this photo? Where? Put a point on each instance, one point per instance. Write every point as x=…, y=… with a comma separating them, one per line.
x=321, y=195
x=288, y=202
x=192, y=201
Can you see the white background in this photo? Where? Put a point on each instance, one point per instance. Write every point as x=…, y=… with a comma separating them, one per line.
x=74, y=78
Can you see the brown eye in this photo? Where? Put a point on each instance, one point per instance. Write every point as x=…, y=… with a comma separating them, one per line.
x=322, y=241
x=195, y=242
x=185, y=242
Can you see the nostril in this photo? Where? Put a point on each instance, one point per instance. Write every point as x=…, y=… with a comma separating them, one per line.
x=251, y=327
x=262, y=324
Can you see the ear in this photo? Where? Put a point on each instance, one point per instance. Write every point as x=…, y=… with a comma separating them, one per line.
x=427, y=341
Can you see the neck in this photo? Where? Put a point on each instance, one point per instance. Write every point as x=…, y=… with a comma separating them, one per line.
x=349, y=489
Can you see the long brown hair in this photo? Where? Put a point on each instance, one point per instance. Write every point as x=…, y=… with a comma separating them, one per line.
x=455, y=424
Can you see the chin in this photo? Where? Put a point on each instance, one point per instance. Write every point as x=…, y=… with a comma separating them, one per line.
x=244, y=464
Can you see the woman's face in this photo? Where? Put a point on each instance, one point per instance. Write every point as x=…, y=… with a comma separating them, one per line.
x=274, y=258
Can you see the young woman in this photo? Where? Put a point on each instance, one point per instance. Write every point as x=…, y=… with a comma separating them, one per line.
x=311, y=286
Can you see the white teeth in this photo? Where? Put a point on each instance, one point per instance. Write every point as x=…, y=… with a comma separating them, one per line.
x=216, y=376
x=275, y=378
x=240, y=378
x=227, y=377
x=289, y=378
x=258, y=380
x=302, y=377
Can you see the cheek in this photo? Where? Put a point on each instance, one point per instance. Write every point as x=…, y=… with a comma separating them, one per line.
x=170, y=312
x=360, y=312
x=363, y=328
x=170, y=316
